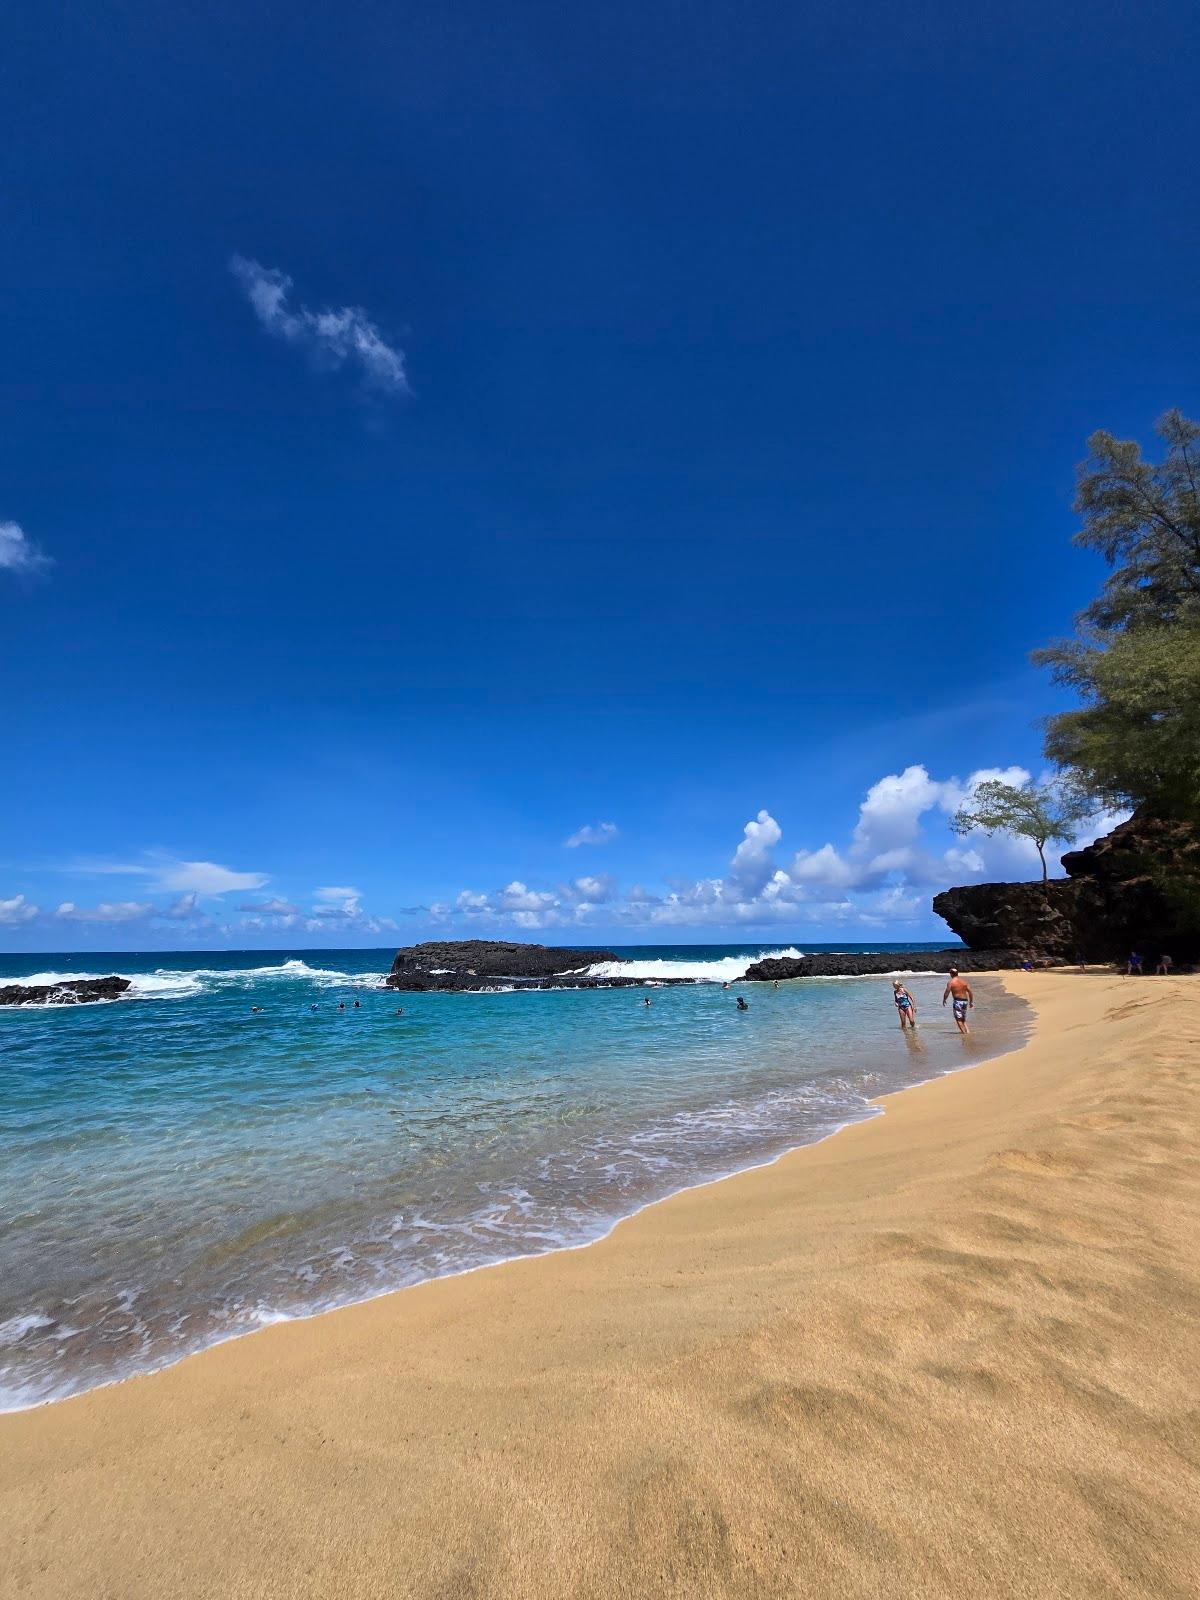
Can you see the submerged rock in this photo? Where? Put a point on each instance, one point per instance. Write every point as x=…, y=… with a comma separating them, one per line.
x=71, y=992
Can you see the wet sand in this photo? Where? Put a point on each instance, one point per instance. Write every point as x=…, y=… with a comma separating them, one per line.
x=948, y=1352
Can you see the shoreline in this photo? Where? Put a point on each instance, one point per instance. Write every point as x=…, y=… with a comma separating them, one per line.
x=862, y=1361
x=872, y=1108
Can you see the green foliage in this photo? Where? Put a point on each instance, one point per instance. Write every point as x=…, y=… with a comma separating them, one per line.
x=1045, y=813
x=1145, y=521
x=1137, y=737
x=1135, y=663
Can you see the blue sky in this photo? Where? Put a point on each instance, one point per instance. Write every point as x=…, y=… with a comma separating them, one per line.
x=428, y=433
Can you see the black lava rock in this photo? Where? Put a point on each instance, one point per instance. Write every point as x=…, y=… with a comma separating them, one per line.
x=71, y=992
x=826, y=964
x=495, y=964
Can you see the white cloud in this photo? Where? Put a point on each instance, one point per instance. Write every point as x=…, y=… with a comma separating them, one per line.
x=173, y=876
x=270, y=908
x=183, y=909
x=592, y=833
x=18, y=553
x=203, y=877
x=121, y=911
x=752, y=864
x=337, y=901
x=333, y=337
x=516, y=896
x=16, y=911
x=595, y=888
x=899, y=852
x=338, y=907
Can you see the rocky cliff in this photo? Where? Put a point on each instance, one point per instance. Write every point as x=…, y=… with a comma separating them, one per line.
x=1138, y=888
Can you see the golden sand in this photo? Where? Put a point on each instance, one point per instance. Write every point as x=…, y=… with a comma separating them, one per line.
x=953, y=1351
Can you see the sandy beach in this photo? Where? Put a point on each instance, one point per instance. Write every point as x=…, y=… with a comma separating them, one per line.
x=951, y=1351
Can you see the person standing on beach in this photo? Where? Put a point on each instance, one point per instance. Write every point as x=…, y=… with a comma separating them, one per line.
x=1163, y=969
x=906, y=1006
x=959, y=990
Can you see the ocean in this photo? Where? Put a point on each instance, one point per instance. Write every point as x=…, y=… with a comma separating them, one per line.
x=176, y=1170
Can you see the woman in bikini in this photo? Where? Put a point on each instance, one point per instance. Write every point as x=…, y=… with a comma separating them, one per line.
x=906, y=1006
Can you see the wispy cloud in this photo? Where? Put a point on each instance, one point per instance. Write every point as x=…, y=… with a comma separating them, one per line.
x=270, y=908
x=204, y=877
x=18, y=553
x=173, y=876
x=592, y=833
x=334, y=338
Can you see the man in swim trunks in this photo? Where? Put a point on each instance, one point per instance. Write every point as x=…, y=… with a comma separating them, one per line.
x=959, y=990
x=905, y=1005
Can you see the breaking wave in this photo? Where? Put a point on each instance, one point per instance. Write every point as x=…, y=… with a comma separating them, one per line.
x=165, y=984
x=721, y=969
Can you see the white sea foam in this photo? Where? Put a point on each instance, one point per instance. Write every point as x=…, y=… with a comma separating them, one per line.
x=14, y=1328
x=725, y=969
x=52, y=977
x=164, y=983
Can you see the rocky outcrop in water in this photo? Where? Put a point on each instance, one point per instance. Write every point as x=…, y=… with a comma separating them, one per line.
x=1137, y=888
x=494, y=964
x=71, y=992
x=827, y=964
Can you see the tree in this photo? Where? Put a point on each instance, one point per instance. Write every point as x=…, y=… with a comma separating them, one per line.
x=1135, y=662
x=1046, y=813
x=1145, y=521
x=1136, y=738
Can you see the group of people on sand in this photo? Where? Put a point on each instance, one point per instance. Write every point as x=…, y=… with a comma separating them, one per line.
x=957, y=990
x=1134, y=969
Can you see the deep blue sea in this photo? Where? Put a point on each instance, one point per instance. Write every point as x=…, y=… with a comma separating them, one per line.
x=176, y=1170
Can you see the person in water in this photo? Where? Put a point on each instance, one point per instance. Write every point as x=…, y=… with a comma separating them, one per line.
x=906, y=1006
x=959, y=990
x=741, y=1004
x=358, y=1005
x=646, y=1001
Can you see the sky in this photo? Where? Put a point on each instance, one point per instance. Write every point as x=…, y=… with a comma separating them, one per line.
x=594, y=471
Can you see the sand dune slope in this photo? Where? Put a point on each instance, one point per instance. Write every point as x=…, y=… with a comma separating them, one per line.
x=950, y=1352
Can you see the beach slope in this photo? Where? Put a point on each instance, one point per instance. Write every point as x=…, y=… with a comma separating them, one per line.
x=951, y=1351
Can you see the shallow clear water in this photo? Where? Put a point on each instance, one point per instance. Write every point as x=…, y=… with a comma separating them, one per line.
x=175, y=1170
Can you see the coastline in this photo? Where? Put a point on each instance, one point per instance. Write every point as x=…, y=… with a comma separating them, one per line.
x=944, y=1351
x=1005, y=1034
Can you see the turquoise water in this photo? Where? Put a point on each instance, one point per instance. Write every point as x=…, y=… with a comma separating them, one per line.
x=177, y=1170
